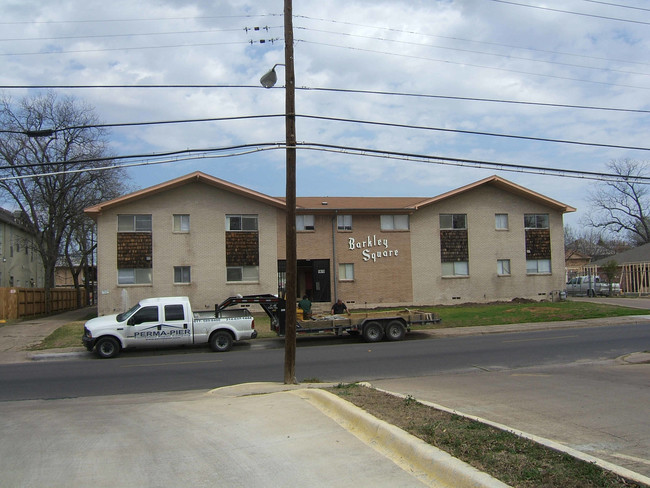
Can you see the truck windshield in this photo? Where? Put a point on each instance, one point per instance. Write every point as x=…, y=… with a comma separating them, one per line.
x=125, y=315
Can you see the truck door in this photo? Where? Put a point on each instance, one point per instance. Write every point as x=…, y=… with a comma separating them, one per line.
x=147, y=328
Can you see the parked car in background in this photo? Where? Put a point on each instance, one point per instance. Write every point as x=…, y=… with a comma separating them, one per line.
x=591, y=286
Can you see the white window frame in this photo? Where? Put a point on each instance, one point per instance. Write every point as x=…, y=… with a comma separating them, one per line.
x=344, y=222
x=455, y=268
x=501, y=221
x=181, y=223
x=182, y=275
x=503, y=267
x=246, y=223
x=134, y=276
x=395, y=222
x=538, y=266
x=134, y=223
x=453, y=221
x=305, y=222
x=346, y=271
x=242, y=274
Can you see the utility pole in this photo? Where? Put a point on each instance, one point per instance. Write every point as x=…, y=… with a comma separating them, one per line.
x=291, y=254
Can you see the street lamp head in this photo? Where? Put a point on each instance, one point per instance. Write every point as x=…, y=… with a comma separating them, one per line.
x=270, y=77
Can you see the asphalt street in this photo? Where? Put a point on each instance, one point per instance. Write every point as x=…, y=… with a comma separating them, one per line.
x=598, y=406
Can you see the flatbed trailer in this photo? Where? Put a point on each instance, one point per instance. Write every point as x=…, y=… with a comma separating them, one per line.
x=372, y=326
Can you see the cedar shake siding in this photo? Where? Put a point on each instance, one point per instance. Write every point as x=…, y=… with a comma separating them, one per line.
x=134, y=250
x=242, y=249
x=538, y=244
x=454, y=246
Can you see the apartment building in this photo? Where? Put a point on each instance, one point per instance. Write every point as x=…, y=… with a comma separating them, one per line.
x=207, y=238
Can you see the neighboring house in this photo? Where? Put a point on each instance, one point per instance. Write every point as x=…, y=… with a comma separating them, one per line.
x=21, y=264
x=575, y=262
x=204, y=237
x=634, y=267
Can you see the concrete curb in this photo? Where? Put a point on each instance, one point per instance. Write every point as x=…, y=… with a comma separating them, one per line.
x=429, y=464
x=619, y=470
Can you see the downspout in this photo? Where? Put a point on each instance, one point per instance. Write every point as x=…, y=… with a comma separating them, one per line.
x=334, y=265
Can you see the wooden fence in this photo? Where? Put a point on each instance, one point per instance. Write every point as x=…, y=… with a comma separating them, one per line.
x=18, y=303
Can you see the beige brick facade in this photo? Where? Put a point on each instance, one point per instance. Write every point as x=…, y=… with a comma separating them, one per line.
x=486, y=246
x=390, y=267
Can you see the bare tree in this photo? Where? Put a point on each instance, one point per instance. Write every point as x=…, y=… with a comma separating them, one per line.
x=623, y=206
x=592, y=242
x=50, y=150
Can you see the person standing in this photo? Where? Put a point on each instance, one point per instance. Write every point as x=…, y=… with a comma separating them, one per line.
x=339, y=307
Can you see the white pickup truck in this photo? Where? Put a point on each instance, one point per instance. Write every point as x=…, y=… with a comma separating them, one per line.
x=167, y=321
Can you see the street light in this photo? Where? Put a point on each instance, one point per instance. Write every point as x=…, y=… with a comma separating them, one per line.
x=268, y=80
x=270, y=77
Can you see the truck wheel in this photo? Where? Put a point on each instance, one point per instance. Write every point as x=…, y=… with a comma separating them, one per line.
x=395, y=331
x=221, y=341
x=373, y=332
x=591, y=293
x=107, y=347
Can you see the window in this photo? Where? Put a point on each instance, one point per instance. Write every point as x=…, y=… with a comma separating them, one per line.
x=145, y=314
x=536, y=221
x=181, y=223
x=346, y=272
x=133, y=276
x=174, y=312
x=457, y=268
x=344, y=222
x=501, y=221
x=182, y=274
x=241, y=222
x=304, y=222
x=538, y=266
x=134, y=223
x=453, y=221
x=503, y=267
x=394, y=222
x=242, y=273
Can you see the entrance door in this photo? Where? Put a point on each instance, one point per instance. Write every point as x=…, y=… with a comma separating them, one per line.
x=321, y=280
x=314, y=276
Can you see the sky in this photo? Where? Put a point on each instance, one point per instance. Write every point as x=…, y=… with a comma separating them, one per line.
x=422, y=78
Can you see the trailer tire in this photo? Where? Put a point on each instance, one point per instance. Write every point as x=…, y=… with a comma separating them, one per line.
x=221, y=341
x=373, y=332
x=395, y=330
x=107, y=347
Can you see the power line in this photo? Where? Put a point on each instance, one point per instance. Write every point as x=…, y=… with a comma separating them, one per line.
x=422, y=58
x=617, y=5
x=151, y=19
x=134, y=34
x=471, y=51
x=51, y=132
x=473, y=132
x=247, y=149
x=77, y=51
x=604, y=17
x=336, y=90
x=510, y=46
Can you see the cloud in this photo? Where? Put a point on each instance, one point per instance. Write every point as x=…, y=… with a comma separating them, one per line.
x=468, y=49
